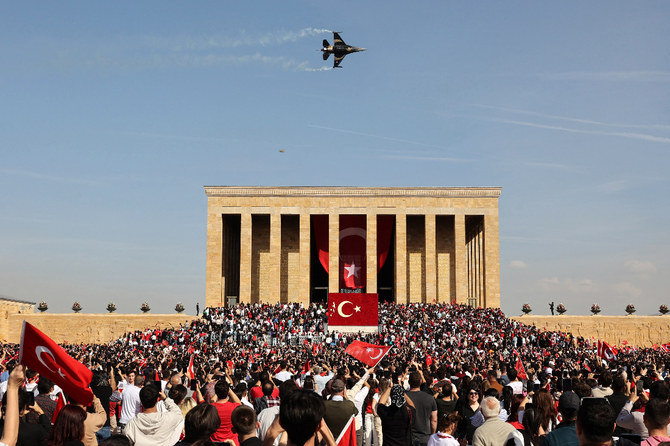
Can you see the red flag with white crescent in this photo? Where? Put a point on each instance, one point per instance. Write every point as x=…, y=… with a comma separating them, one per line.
x=357, y=309
x=189, y=370
x=606, y=351
x=42, y=354
x=369, y=354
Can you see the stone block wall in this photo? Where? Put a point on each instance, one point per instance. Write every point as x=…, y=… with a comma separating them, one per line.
x=75, y=328
x=638, y=331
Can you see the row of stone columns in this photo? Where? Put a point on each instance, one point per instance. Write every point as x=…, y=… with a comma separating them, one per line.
x=273, y=288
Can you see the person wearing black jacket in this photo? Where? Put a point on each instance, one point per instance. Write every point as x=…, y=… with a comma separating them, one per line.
x=32, y=434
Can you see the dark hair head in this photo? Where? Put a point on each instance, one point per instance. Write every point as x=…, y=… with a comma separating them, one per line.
x=492, y=391
x=414, y=380
x=201, y=422
x=243, y=419
x=308, y=383
x=447, y=420
x=511, y=373
x=596, y=421
x=531, y=420
x=605, y=378
x=24, y=399
x=300, y=415
x=336, y=386
x=178, y=393
x=286, y=388
x=618, y=384
x=69, y=425
x=657, y=413
x=45, y=385
x=148, y=396
x=268, y=387
x=221, y=388
x=658, y=389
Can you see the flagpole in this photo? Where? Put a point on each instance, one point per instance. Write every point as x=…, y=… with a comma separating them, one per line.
x=383, y=356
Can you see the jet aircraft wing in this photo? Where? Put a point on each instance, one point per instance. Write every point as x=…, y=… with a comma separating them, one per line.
x=337, y=60
x=337, y=39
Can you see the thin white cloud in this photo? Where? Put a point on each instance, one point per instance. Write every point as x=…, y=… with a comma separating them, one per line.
x=518, y=264
x=612, y=76
x=640, y=267
x=427, y=158
x=613, y=186
x=641, y=136
x=571, y=119
x=627, y=289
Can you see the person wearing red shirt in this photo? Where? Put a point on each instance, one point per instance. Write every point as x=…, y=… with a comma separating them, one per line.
x=226, y=402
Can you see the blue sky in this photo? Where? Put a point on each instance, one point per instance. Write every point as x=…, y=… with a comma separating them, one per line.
x=113, y=117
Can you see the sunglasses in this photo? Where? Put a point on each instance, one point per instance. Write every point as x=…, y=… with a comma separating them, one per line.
x=474, y=393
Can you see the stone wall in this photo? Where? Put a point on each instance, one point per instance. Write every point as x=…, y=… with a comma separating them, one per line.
x=77, y=328
x=639, y=331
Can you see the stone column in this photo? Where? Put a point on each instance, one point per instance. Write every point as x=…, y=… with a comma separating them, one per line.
x=303, y=288
x=371, y=253
x=246, y=232
x=274, y=288
x=401, y=296
x=460, y=260
x=430, y=252
x=215, y=286
x=333, y=253
x=491, y=261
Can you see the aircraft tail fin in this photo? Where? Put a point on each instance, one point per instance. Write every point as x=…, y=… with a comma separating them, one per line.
x=325, y=56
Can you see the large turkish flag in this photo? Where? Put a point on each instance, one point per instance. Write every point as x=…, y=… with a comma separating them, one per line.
x=42, y=354
x=369, y=354
x=353, y=309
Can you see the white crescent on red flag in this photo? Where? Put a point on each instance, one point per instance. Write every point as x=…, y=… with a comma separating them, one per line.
x=42, y=354
x=369, y=354
x=606, y=351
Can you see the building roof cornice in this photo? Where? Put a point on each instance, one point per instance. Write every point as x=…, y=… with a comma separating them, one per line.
x=352, y=191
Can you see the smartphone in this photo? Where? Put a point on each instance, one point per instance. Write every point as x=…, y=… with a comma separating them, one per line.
x=640, y=387
x=194, y=383
x=31, y=398
x=567, y=384
x=536, y=387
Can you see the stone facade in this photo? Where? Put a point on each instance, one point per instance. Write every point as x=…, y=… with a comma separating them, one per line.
x=445, y=248
x=638, y=331
x=75, y=328
x=8, y=308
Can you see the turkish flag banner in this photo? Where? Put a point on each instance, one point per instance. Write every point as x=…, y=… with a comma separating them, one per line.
x=518, y=366
x=42, y=354
x=606, y=351
x=348, y=435
x=369, y=354
x=353, y=309
x=353, y=263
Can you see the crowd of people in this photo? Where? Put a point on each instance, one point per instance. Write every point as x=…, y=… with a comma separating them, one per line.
x=274, y=374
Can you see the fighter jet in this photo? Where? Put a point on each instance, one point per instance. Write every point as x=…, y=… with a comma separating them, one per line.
x=339, y=49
